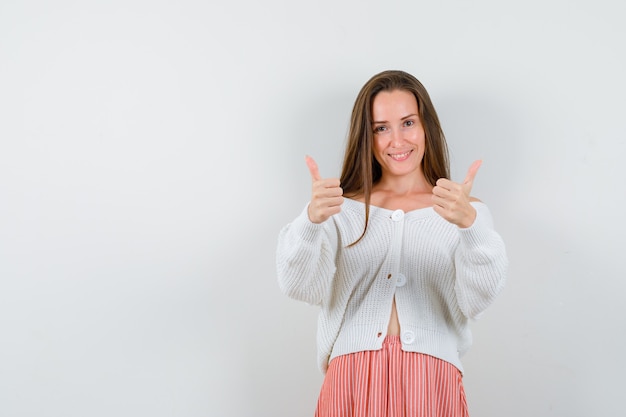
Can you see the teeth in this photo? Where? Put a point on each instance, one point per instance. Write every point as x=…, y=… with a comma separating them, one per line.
x=400, y=155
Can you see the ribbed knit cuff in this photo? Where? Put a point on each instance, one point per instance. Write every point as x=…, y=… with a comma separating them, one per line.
x=479, y=232
x=307, y=230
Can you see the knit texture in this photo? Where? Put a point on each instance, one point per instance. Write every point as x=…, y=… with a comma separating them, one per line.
x=441, y=276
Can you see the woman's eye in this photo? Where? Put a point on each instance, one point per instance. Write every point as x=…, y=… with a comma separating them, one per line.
x=379, y=129
x=409, y=123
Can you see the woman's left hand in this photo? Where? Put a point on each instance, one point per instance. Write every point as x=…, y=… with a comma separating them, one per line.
x=451, y=200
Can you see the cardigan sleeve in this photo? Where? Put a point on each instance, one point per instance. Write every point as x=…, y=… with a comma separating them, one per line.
x=305, y=258
x=481, y=264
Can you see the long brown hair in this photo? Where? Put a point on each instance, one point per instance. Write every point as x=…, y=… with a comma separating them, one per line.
x=360, y=169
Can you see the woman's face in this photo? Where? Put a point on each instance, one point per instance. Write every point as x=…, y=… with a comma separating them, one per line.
x=399, y=137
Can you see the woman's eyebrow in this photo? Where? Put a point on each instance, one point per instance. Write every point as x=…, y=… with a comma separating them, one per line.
x=404, y=118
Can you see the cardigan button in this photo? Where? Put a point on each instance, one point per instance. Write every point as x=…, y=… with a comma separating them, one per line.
x=408, y=337
x=400, y=280
x=397, y=215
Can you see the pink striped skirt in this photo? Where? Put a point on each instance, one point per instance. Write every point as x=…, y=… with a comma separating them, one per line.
x=391, y=383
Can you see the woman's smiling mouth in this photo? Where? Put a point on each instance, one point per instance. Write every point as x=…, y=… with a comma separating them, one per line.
x=400, y=156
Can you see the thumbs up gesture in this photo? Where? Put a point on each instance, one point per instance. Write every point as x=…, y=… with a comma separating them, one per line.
x=326, y=196
x=451, y=200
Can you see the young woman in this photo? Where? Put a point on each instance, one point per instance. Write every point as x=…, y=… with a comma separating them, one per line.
x=398, y=257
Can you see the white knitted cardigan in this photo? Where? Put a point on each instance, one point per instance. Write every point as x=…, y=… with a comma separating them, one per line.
x=441, y=276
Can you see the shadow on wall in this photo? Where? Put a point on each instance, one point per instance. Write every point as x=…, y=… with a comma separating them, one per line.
x=488, y=128
x=321, y=123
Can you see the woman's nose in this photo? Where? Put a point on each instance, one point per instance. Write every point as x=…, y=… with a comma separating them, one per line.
x=396, y=137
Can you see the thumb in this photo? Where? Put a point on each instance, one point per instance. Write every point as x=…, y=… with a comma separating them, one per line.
x=471, y=173
x=315, y=173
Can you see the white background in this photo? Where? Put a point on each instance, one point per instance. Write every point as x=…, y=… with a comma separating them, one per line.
x=150, y=151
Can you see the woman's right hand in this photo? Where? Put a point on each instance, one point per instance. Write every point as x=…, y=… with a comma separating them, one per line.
x=326, y=196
